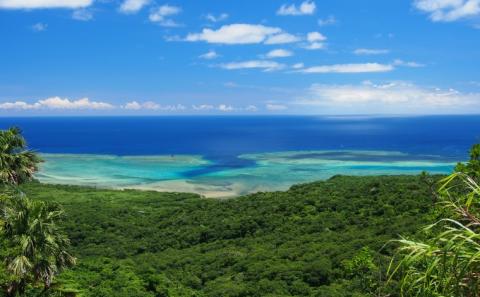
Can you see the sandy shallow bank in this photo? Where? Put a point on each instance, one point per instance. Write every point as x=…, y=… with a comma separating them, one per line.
x=259, y=172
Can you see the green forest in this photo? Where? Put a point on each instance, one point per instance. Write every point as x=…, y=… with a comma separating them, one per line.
x=296, y=243
x=346, y=236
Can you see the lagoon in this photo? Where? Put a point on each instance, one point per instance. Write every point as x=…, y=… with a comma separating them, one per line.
x=230, y=156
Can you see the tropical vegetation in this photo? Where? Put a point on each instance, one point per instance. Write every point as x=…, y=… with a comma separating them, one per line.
x=34, y=249
x=338, y=237
x=320, y=239
x=17, y=163
x=446, y=262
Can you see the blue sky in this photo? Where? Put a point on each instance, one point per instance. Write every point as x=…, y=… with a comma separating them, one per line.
x=96, y=57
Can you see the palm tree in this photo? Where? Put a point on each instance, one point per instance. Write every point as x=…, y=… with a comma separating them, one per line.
x=17, y=163
x=36, y=246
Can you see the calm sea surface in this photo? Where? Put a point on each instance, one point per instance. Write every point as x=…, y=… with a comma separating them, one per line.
x=223, y=156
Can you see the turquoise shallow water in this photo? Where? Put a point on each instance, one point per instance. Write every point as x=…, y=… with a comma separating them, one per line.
x=193, y=173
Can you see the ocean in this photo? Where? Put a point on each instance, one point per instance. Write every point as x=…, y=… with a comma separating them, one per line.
x=233, y=155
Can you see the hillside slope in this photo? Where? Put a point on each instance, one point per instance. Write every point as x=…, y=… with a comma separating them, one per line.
x=317, y=239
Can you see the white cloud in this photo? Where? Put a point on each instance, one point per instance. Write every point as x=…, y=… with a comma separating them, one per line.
x=225, y=108
x=315, y=37
x=134, y=105
x=84, y=103
x=330, y=20
x=39, y=27
x=133, y=6
x=410, y=64
x=305, y=8
x=314, y=46
x=82, y=15
x=368, y=51
x=448, y=10
x=203, y=107
x=40, y=4
x=150, y=105
x=209, y=55
x=259, y=64
x=298, y=66
x=281, y=38
x=214, y=19
x=349, y=68
x=178, y=107
x=160, y=15
x=394, y=97
x=19, y=105
x=252, y=108
x=275, y=107
x=279, y=53
x=241, y=34
x=57, y=103
x=315, y=40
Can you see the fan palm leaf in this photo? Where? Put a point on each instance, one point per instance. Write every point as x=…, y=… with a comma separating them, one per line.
x=17, y=163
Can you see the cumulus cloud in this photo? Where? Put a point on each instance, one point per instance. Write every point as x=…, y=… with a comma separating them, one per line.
x=160, y=15
x=370, y=51
x=316, y=41
x=19, y=105
x=316, y=36
x=214, y=19
x=40, y=4
x=134, y=105
x=279, y=53
x=133, y=6
x=39, y=27
x=210, y=55
x=84, y=104
x=448, y=10
x=305, y=8
x=242, y=34
x=393, y=97
x=258, y=64
x=53, y=103
x=349, y=68
x=82, y=15
x=225, y=108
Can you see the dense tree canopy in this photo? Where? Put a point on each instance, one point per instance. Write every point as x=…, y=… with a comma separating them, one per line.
x=321, y=239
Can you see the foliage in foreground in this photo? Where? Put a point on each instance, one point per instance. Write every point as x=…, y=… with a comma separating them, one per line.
x=447, y=262
x=34, y=248
x=318, y=239
x=17, y=163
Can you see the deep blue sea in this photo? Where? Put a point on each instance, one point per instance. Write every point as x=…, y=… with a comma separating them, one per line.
x=213, y=155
